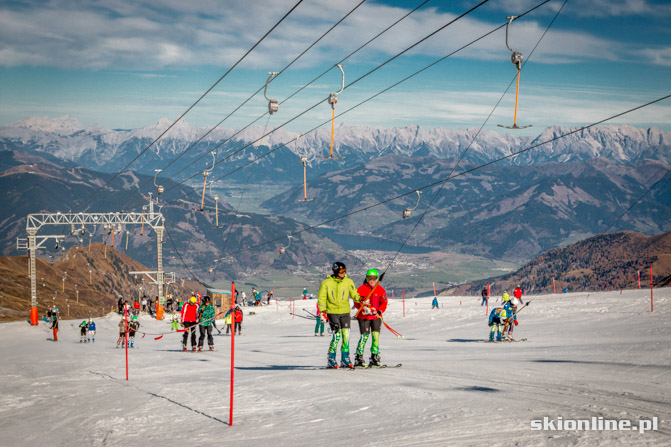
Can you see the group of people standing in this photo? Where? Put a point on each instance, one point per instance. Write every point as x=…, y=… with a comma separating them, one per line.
x=370, y=301
x=502, y=320
x=203, y=316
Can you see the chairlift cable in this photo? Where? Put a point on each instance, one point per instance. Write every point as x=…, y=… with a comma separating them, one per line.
x=81, y=204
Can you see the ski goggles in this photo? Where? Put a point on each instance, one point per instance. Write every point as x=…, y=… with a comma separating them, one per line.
x=341, y=271
x=368, y=278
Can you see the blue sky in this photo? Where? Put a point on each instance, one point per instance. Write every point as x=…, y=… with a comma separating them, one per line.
x=126, y=64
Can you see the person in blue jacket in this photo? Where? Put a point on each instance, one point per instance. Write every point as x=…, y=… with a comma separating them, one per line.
x=91, y=336
x=434, y=303
x=497, y=319
x=511, y=311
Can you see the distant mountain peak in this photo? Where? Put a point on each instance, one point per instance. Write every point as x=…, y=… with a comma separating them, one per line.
x=63, y=125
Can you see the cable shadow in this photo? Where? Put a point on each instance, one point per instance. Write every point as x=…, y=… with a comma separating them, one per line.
x=483, y=389
x=161, y=397
x=465, y=340
x=590, y=362
x=278, y=368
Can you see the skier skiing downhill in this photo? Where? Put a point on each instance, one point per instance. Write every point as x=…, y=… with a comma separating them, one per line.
x=369, y=317
x=497, y=319
x=189, y=321
x=333, y=298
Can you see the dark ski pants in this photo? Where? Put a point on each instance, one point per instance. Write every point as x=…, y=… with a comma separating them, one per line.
x=238, y=326
x=203, y=331
x=190, y=329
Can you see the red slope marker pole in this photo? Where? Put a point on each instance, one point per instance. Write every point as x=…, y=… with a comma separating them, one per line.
x=230, y=417
x=125, y=336
x=639, y=280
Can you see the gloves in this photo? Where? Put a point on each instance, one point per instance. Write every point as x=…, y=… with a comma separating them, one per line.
x=491, y=324
x=324, y=318
x=515, y=322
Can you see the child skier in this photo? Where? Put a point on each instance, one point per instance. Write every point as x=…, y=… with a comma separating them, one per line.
x=54, y=322
x=175, y=322
x=92, y=331
x=497, y=319
x=83, y=328
x=122, y=331
x=369, y=315
x=133, y=326
x=319, y=327
x=511, y=310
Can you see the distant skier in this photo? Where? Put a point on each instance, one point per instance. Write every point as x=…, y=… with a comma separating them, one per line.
x=244, y=299
x=485, y=297
x=206, y=319
x=505, y=297
x=120, y=305
x=370, y=309
x=175, y=322
x=228, y=318
x=497, y=319
x=133, y=326
x=319, y=327
x=54, y=322
x=305, y=293
x=333, y=297
x=189, y=321
x=237, y=317
x=517, y=293
x=122, y=331
x=83, y=328
x=91, y=334
x=434, y=303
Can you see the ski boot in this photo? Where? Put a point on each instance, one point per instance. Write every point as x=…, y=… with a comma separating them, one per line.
x=193, y=349
x=331, y=358
x=345, y=362
x=200, y=348
x=211, y=348
x=359, y=362
x=184, y=348
x=375, y=360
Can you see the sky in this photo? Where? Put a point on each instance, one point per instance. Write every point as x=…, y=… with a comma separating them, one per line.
x=125, y=65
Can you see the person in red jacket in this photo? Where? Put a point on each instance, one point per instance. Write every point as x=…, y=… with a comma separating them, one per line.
x=237, y=317
x=517, y=293
x=369, y=313
x=189, y=320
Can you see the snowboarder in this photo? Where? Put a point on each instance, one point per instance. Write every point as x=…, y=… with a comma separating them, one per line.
x=83, y=328
x=333, y=297
x=485, y=297
x=189, y=321
x=434, y=303
x=206, y=319
x=369, y=314
x=517, y=293
x=92, y=331
x=497, y=319
x=133, y=326
x=319, y=327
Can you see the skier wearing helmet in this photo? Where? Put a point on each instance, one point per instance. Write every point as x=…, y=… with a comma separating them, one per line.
x=83, y=328
x=517, y=293
x=189, y=322
x=369, y=314
x=133, y=326
x=333, y=298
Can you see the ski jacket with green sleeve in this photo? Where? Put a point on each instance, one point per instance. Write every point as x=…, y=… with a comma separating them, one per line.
x=334, y=295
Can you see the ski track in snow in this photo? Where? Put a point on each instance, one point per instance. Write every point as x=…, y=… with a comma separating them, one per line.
x=602, y=354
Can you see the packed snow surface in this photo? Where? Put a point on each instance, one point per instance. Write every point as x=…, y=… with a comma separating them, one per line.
x=587, y=355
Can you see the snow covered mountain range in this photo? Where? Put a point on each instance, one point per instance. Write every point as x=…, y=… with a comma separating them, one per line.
x=109, y=150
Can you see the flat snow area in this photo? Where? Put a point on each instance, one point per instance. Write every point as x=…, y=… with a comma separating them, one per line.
x=587, y=355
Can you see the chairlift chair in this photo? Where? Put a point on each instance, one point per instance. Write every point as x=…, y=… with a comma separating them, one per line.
x=283, y=249
x=408, y=211
x=333, y=100
x=516, y=58
x=273, y=105
x=206, y=173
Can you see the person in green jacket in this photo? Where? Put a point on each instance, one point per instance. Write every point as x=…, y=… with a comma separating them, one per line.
x=333, y=298
x=206, y=320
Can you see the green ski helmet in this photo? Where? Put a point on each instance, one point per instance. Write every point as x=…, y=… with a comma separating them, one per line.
x=372, y=272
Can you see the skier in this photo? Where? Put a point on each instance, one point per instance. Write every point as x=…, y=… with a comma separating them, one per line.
x=511, y=310
x=237, y=317
x=517, y=293
x=497, y=319
x=206, y=320
x=83, y=327
x=485, y=297
x=133, y=326
x=189, y=321
x=228, y=318
x=505, y=297
x=333, y=297
x=434, y=303
x=92, y=331
x=370, y=309
x=305, y=293
x=122, y=331
x=319, y=327
x=244, y=299
x=120, y=305
x=175, y=322
x=54, y=322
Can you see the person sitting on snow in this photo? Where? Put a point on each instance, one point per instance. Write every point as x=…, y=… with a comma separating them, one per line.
x=497, y=319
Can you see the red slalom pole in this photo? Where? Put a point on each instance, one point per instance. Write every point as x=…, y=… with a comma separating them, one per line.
x=651, y=307
x=125, y=336
x=434, y=289
x=403, y=303
x=639, y=279
x=230, y=417
x=554, y=287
